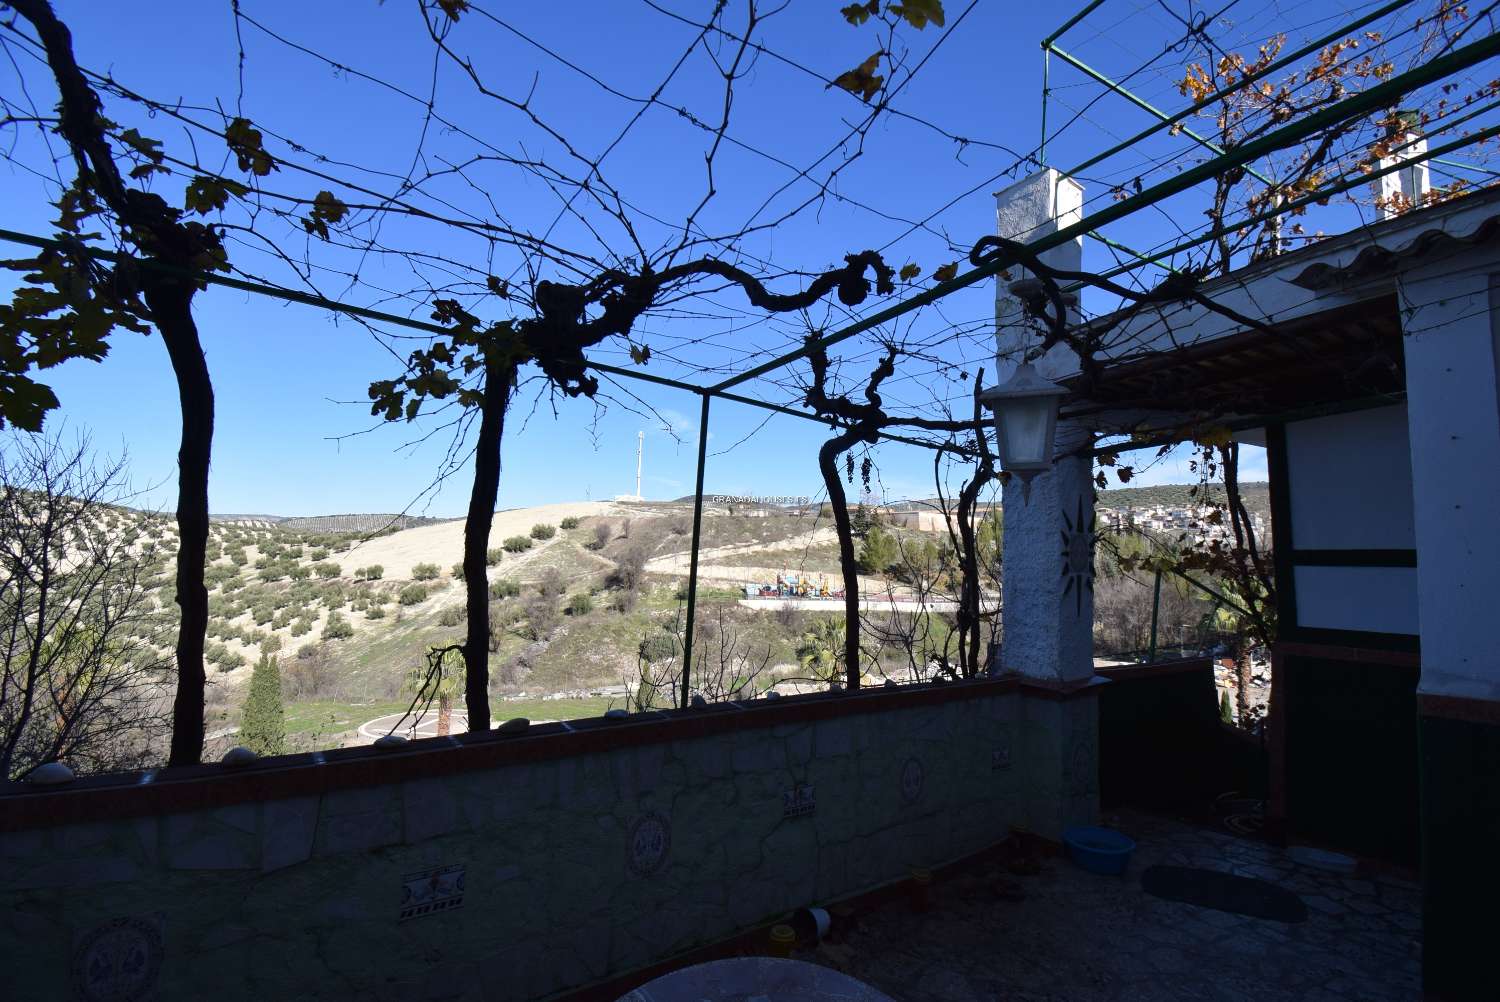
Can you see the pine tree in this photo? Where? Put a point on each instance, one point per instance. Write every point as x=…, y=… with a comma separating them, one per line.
x=1225, y=713
x=860, y=522
x=878, y=553
x=263, y=729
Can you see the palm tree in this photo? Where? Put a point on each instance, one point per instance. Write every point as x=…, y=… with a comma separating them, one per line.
x=443, y=684
x=821, y=652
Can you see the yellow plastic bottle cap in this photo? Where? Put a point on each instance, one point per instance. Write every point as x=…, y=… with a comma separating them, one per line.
x=783, y=934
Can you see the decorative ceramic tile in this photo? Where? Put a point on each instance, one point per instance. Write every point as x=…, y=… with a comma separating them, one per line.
x=440, y=889
x=799, y=801
x=650, y=841
x=119, y=961
x=912, y=778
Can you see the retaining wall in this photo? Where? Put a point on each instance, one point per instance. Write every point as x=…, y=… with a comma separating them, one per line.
x=512, y=867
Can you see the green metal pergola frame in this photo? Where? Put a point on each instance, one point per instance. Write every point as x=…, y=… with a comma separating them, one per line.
x=1384, y=94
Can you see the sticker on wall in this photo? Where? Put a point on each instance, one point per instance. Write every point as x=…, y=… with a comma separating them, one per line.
x=427, y=892
x=1000, y=756
x=1077, y=557
x=118, y=961
x=650, y=841
x=912, y=778
x=798, y=802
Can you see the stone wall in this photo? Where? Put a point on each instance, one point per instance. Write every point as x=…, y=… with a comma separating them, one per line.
x=512, y=868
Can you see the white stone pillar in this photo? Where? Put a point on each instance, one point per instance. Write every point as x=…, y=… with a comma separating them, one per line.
x=1047, y=566
x=1047, y=570
x=1453, y=414
x=1048, y=608
x=1026, y=211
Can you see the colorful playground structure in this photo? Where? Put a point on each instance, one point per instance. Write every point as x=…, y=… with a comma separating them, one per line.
x=793, y=586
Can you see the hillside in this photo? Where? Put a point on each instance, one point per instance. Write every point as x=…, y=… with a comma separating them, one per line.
x=350, y=617
x=1257, y=496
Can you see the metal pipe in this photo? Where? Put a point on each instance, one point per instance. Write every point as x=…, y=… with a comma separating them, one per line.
x=692, y=599
x=1147, y=106
x=1088, y=9
x=1381, y=95
x=1281, y=63
x=1041, y=150
x=1350, y=181
x=1155, y=614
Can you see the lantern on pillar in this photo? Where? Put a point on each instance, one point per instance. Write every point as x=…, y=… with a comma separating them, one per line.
x=1025, y=409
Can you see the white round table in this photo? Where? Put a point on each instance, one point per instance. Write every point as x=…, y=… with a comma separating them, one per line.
x=755, y=979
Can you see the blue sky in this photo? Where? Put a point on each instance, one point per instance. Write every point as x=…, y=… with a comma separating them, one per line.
x=293, y=435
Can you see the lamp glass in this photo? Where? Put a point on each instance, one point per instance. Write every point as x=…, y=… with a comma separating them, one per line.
x=1021, y=427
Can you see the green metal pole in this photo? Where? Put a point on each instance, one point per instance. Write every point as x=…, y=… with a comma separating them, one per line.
x=1155, y=615
x=1381, y=95
x=1088, y=9
x=687, y=642
x=1279, y=64
x=1041, y=150
x=1144, y=105
x=1350, y=181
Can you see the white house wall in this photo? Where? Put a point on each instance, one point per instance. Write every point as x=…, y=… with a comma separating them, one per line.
x=1367, y=599
x=1351, y=482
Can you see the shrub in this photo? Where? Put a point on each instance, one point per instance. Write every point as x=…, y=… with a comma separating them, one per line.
x=327, y=570
x=630, y=569
x=541, y=615
x=300, y=572
x=542, y=531
x=552, y=583
x=375, y=612
x=426, y=572
x=321, y=553
x=372, y=573
x=503, y=588
x=227, y=660
x=492, y=557
x=452, y=615
x=302, y=627
x=458, y=569
x=581, y=604
x=602, y=534
x=571, y=522
x=658, y=646
x=337, y=628
x=412, y=594
x=263, y=614
x=308, y=675
x=517, y=544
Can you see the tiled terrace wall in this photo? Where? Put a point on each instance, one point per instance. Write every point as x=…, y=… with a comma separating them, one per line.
x=585, y=852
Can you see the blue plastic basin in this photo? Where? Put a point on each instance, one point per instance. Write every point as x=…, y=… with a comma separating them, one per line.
x=1099, y=850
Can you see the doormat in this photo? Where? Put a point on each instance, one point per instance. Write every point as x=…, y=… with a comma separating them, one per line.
x=1223, y=892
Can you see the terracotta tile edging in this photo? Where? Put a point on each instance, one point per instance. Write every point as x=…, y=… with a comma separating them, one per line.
x=1337, y=652
x=204, y=787
x=1467, y=709
x=1156, y=669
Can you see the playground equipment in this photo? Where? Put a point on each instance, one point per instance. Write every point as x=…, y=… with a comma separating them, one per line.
x=793, y=586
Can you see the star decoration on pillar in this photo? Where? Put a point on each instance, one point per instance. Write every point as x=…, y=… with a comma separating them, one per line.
x=1077, y=557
